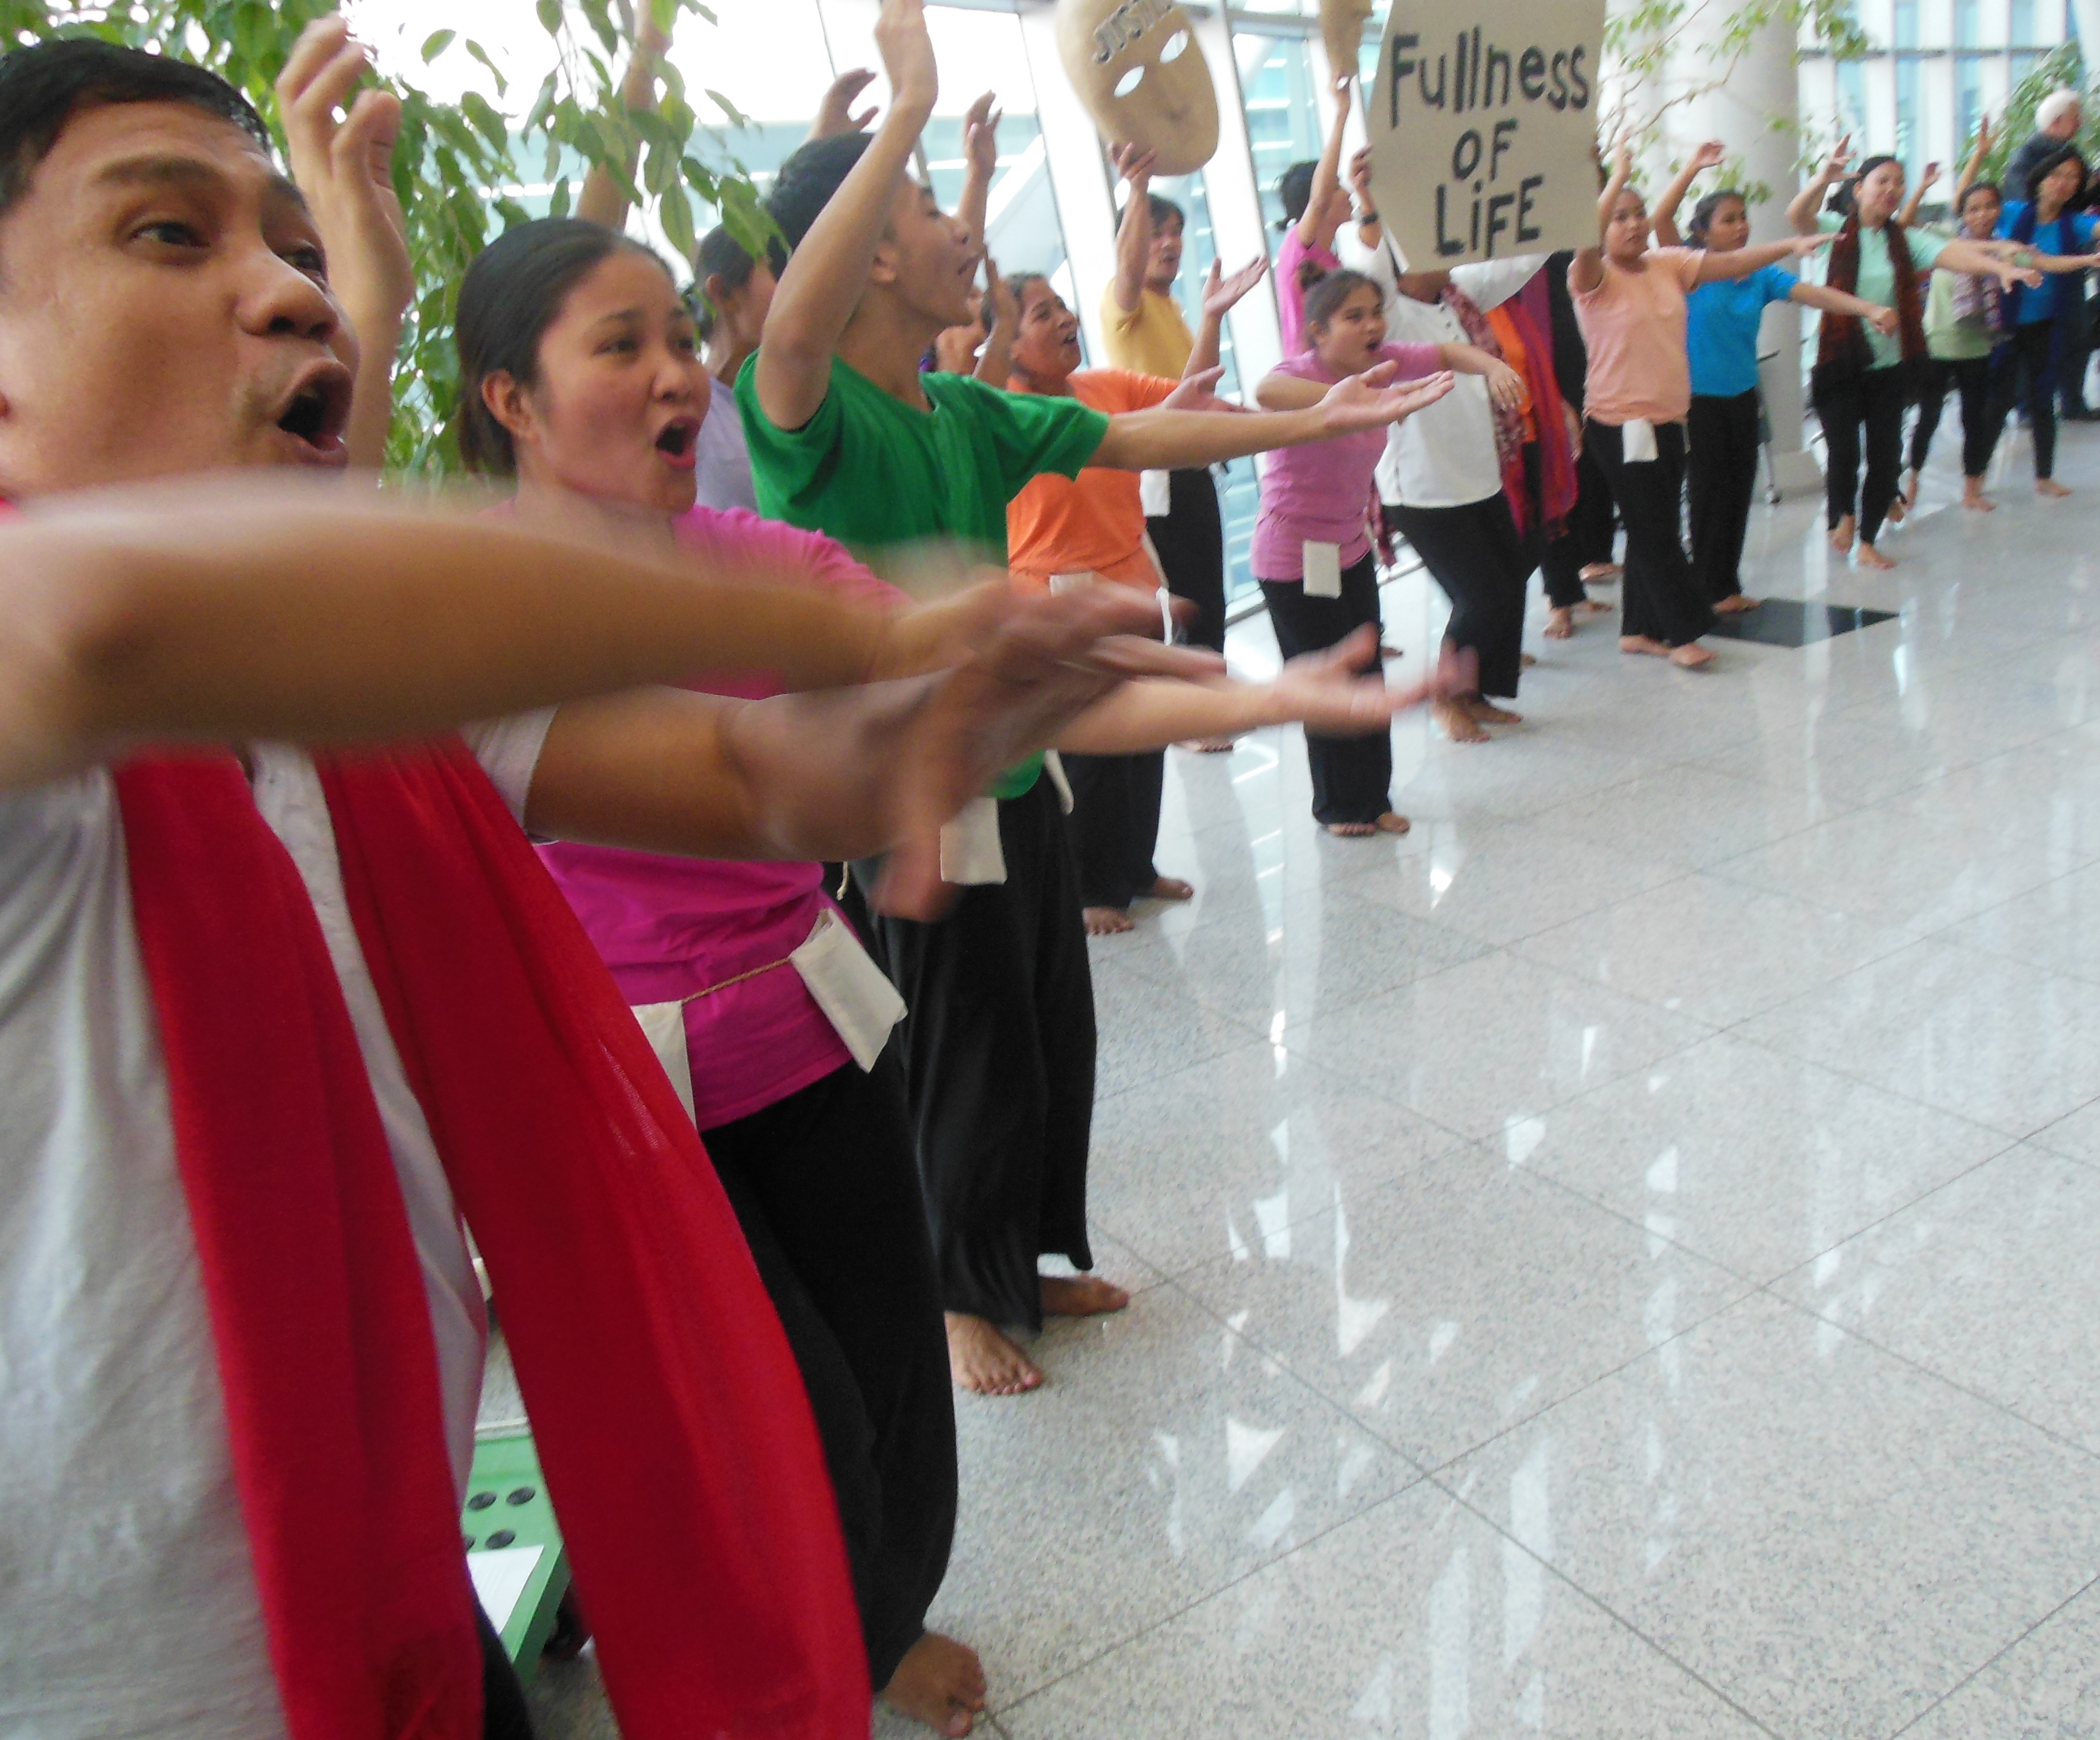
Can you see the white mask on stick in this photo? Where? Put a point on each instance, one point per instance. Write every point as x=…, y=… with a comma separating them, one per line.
x=1136, y=67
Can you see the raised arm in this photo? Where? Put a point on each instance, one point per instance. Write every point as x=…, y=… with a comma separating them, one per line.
x=1925, y=181
x=995, y=364
x=1170, y=440
x=1220, y=295
x=835, y=113
x=827, y=272
x=1588, y=271
x=1327, y=173
x=1973, y=172
x=1803, y=211
x=1720, y=267
x=1134, y=235
x=981, y=163
x=1664, y=216
x=345, y=170
x=601, y=199
x=1370, y=231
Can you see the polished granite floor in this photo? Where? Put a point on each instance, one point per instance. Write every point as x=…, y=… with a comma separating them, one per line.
x=1620, y=1260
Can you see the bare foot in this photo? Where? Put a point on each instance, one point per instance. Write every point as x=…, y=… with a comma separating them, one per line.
x=1973, y=499
x=1909, y=495
x=1735, y=605
x=1107, y=921
x=1644, y=643
x=1690, y=656
x=1392, y=822
x=1081, y=1296
x=1388, y=823
x=1898, y=509
x=2049, y=490
x=1209, y=745
x=1525, y=661
x=1597, y=607
x=1599, y=571
x=1171, y=888
x=940, y=1682
x=1457, y=722
x=985, y=1362
x=1871, y=558
x=1841, y=535
x=1487, y=713
x=1560, y=623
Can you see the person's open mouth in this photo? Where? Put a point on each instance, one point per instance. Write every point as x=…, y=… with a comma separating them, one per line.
x=316, y=412
x=678, y=442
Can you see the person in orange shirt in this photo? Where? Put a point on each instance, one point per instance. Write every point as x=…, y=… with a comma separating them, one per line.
x=1065, y=532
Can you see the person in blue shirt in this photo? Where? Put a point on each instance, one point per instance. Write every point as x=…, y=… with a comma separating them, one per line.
x=2061, y=239
x=1724, y=320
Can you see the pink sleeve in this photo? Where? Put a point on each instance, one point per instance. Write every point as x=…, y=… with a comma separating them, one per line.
x=1415, y=361
x=1689, y=261
x=736, y=535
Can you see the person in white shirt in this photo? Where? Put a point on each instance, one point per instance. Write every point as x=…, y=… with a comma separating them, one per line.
x=1441, y=480
x=166, y=311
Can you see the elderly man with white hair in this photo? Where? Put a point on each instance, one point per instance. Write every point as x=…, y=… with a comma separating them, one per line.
x=2058, y=118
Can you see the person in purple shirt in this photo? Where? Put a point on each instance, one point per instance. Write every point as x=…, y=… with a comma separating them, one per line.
x=1312, y=548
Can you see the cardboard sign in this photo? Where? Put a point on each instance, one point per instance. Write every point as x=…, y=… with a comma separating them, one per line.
x=1481, y=124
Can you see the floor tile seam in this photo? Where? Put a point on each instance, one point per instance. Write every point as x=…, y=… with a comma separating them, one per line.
x=2084, y=1452
x=1750, y=1282
x=1998, y=1130
x=1188, y=1607
x=1983, y=1668
x=1438, y=1471
x=1601, y=1604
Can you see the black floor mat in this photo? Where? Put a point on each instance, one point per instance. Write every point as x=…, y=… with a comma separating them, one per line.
x=1787, y=622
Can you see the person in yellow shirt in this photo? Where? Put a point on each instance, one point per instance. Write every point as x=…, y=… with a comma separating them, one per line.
x=1147, y=334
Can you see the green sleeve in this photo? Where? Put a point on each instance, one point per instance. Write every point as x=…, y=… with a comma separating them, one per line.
x=785, y=462
x=1925, y=247
x=1029, y=433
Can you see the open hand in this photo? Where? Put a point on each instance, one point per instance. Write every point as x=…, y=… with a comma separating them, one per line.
x=345, y=170
x=1366, y=401
x=1221, y=293
x=981, y=136
x=1360, y=178
x=1924, y=181
x=1622, y=162
x=907, y=55
x=835, y=114
x=1050, y=659
x=1506, y=386
x=1709, y=155
x=1802, y=246
x=1841, y=156
x=1133, y=164
x=1195, y=394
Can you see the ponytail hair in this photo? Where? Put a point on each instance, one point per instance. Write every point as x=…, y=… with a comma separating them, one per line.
x=1705, y=211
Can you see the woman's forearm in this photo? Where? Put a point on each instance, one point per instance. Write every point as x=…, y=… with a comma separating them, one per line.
x=1162, y=440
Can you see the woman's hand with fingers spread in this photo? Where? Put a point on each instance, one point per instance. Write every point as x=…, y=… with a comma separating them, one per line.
x=835, y=114
x=1506, y=387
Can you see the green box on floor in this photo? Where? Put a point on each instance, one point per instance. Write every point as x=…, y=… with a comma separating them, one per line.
x=514, y=1548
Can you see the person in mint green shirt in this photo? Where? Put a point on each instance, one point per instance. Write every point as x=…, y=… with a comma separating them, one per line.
x=848, y=437
x=1864, y=378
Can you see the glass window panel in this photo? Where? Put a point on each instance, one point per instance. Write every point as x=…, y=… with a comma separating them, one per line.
x=2020, y=31
x=1968, y=24
x=1282, y=113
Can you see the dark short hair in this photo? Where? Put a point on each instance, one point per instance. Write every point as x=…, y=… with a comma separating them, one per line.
x=1017, y=283
x=720, y=255
x=1162, y=209
x=511, y=294
x=1975, y=188
x=811, y=175
x=43, y=86
x=2047, y=164
x=1325, y=297
x=1294, y=186
x=1704, y=214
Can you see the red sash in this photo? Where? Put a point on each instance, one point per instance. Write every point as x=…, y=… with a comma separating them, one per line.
x=669, y=1412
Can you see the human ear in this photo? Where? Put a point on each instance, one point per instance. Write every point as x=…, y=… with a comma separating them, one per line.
x=509, y=404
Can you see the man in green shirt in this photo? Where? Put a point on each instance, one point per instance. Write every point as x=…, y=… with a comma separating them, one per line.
x=848, y=437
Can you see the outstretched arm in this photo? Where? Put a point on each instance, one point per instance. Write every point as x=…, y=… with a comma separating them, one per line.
x=1802, y=210
x=1884, y=320
x=1963, y=255
x=1134, y=235
x=1720, y=267
x=1170, y=440
x=826, y=274
x=1588, y=271
x=345, y=170
x=1664, y=216
x=1327, y=173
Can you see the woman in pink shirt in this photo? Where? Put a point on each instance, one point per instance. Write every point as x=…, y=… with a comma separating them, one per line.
x=1311, y=542
x=1629, y=300
x=1316, y=205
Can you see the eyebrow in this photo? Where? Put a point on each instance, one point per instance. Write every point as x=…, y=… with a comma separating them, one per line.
x=168, y=169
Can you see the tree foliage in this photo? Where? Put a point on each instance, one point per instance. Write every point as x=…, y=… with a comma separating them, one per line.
x=2062, y=69
x=461, y=166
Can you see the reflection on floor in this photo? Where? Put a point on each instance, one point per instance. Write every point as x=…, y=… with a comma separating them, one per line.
x=1617, y=1261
